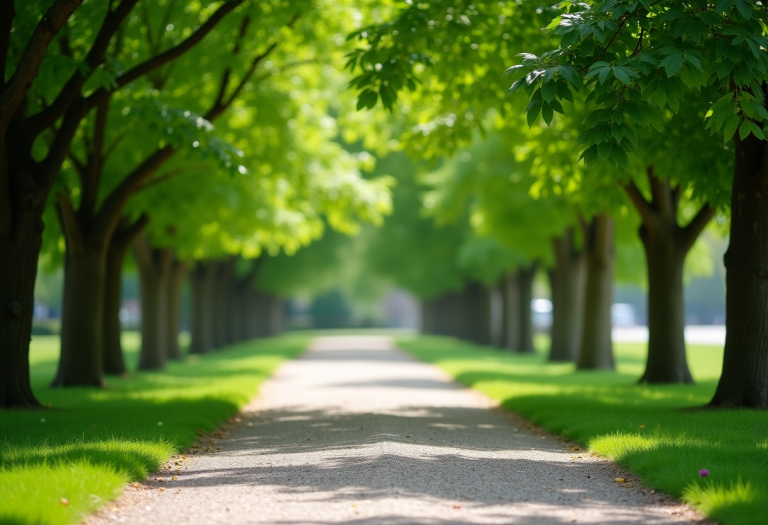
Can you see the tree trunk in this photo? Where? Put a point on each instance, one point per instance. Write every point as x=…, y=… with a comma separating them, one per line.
x=125, y=234
x=427, y=314
x=237, y=308
x=596, y=350
x=476, y=305
x=19, y=252
x=114, y=363
x=666, y=245
x=221, y=332
x=442, y=315
x=276, y=315
x=262, y=314
x=567, y=298
x=154, y=275
x=178, y=273
x=510, y=293
x=203, y=283
x=525, y=276
x=744, y=381
x=667, y=361
x=251, y=313
x=82, y=318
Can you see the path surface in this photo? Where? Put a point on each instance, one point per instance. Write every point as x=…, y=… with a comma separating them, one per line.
x=357, y=432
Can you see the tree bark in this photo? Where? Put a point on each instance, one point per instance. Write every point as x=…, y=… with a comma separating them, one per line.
x=744, y=381
x=18, y=266
x=154, y=275
x=178, y=273
x=203, y=283
x=82, y=319
x=427, y=317
x=443, y=315
x=525, y=276
x=476, y=309
x=124, y=236
x=596, y=349
x=510, y=293
x=276, y=315
x=221, y=326
x=567, y=298
x=666, y=246
x=251, y=313
x=667, y=361
x=237, y=308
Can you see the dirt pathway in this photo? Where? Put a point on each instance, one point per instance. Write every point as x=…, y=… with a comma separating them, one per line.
x=358, y=432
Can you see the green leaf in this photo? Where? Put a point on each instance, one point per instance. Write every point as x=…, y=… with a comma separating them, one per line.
x=515, y=87
x=755, y=129
x=695, y=62
x=568, y=73
x=367, y=99
x=624, y=74
x=723, y=101
x=557, y=106
x=744, y=9
x=723, y=5
x=617, y=130
x=549, y=91
x=512, y=69
x=533, y=112
x=744, y=130
x=621, y=157
x=731, y=125
x=564, y=92
x=604, y=150
x=547, y=113
x=672, y=64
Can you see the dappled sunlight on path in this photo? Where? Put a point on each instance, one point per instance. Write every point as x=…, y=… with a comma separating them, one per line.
x=358, y=432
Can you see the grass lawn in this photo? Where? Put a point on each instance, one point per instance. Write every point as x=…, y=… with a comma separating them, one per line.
x=644, y=428
x=91, y=442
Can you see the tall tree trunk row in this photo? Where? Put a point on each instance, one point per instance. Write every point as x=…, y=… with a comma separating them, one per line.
x=596, y=349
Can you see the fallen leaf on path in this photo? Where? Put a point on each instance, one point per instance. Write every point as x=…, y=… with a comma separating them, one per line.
x=619, y=480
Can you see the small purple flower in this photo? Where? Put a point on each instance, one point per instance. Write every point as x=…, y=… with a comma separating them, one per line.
x=703, y=473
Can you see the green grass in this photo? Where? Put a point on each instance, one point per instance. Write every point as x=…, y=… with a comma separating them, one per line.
x=91, y=442
x=647, y=429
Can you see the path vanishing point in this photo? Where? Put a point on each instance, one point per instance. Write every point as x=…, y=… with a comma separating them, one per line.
x=357, y=432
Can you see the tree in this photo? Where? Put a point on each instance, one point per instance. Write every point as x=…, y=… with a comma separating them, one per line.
x=638, y=59
x=38, y=96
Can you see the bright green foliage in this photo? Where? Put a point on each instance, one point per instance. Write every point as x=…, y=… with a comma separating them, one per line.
x=267, y=173
x=497, y=185
x=439, y=63
x=643, y=428
x=94, y=442
x=638, y=59
x=409, y=249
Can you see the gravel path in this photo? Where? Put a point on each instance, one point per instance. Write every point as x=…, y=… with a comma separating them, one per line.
x=357, y=432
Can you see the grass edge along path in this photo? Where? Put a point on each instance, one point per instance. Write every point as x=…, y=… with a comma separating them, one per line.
x=60, y=464
x=646, y=429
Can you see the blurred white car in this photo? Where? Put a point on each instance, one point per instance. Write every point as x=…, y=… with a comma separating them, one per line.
x=623, y=314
